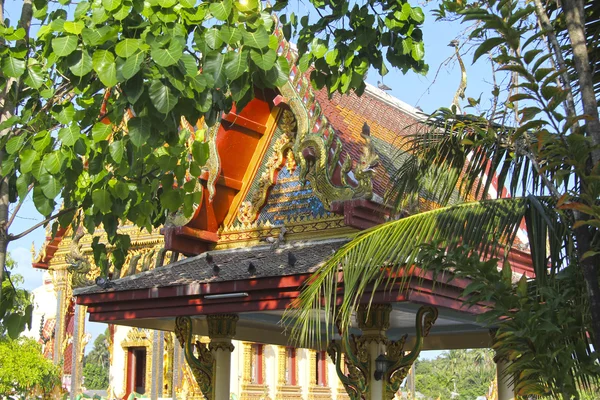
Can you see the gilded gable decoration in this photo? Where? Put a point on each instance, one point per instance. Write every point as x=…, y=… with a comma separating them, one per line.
x=317, y=149
x=282, y=151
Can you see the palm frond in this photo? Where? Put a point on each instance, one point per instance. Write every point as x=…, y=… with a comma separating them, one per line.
x=378, y=256
x=463, y=157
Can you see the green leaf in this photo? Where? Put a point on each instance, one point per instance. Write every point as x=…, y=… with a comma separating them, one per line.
x=171, y=199
x=100, y=131
x=418, y=51
x=134, y=88
x=258, y=39
x=417, y=15
x=103, y=62
x=221, y=9
x=51, y=186
x=102, y=200
x=127, y=47
x=52, y=162
x=213, y=65
x=28, y=157
x=162, y=97
x=116, y=150
x=23, y=182
x=318, y=48
x=73, y=27
x=188, y=65
x=121, y=190
x=95, y=37
x=212, y=38
x=66, y=114
x=35, y=76
x=80, y=63
x=236, y=63
x=63, y=46
x=13, y=67
x=14, y=144
x=132, y=65
x=81, y=9
x=111, y=5
x=230, y=34
x=246, y=5
x=264, y=60
x=168, y=56
x=139, y=130
x=487, y=46
x=43, y=204
x=304, y=62
x=69, y=135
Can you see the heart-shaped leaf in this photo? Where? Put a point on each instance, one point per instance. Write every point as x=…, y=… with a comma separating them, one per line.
x=69, y=134
x=103, y=62
x=127, y=47
x=264, y=59
x=80, y=63
x=139, y=130
x=168, y=56
x=162, y=97
x=221, y=9
x=63, y=46
x=236, y=63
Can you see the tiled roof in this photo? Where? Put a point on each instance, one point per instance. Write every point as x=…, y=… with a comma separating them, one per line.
x=388, y=117
x=232, y=265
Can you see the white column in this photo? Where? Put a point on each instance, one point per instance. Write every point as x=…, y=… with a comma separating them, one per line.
x=222, y=349
x=221, y=329
x=377, y=386
x=505, y=387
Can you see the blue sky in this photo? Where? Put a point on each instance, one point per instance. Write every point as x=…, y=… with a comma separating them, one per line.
x=428, y=92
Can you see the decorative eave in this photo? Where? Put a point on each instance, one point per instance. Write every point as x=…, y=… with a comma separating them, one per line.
x=252, y=280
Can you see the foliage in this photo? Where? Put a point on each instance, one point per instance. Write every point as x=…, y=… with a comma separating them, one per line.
x=15, y=308
x=468, y=373
x=541, y=140
x=96, y=364
x=92, y=107
x=24, y=371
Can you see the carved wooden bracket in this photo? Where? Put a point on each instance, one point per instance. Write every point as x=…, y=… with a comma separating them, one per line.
x=203, y=364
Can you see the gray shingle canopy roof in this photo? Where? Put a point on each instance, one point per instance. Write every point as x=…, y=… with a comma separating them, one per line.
x=233, y=264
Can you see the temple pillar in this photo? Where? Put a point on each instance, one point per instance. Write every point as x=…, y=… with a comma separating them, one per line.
x=356, y=357
x=60, y=286
x=221, y=329
x=373, y=323
x=505, y=386
x=77, y=350
x=506, y=389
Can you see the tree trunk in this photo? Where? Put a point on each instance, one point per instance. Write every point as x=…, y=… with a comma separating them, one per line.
x=575, y=19
x=3, y=221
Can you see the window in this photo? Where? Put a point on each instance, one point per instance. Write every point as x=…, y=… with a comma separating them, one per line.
x=256, y=363
x=290, y=366
x=321, y=368
x=136, y=370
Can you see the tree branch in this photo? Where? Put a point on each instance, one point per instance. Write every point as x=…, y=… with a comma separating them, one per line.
x=16, y=210
x=50, y=218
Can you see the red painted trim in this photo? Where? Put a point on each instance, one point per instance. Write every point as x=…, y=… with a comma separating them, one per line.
x=238, y=120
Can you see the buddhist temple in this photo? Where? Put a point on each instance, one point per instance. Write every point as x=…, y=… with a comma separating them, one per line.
x=196, y=310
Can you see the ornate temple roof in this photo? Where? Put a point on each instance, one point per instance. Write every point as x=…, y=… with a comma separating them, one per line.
x=229, y=265
x=389, y=120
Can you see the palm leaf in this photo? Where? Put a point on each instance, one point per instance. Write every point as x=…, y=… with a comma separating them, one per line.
x=463, y=157
x=379, y=255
